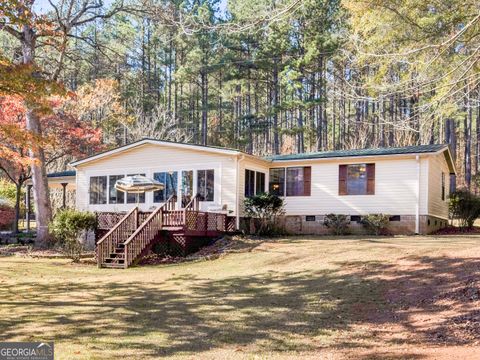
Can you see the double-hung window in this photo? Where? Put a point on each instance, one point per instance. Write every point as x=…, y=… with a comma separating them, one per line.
x=356, y=179
x=254, y=183
x=291, y=181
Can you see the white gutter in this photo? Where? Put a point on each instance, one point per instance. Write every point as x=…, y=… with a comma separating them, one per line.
x=237, y=192
x=417, y=207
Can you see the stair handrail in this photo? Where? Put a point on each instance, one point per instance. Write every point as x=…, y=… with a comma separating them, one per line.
x=193, y=204
x=108, y=242
x=145, y=233
x=170, y=204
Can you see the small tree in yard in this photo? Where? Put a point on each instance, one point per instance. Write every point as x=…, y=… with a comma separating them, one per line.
x=375, y=224
x=266, y=208
x=67, y=227
x=464, y=207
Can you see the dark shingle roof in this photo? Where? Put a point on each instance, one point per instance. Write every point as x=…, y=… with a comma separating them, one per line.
x=62, y=174
x=419, y=149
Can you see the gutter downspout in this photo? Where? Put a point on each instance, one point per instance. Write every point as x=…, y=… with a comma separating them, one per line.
x=417, y=207
x=237, y=192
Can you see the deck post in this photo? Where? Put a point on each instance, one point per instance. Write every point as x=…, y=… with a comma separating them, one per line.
x=136, y=218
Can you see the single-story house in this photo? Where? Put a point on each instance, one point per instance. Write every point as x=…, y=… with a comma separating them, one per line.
x=410, y=184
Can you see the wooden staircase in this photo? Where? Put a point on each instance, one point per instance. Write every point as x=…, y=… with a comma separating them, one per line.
x=131, y=238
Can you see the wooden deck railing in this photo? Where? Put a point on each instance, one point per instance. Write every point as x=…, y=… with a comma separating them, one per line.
x=118, y=233
x=108, y=219
x=145, y=233
x=173, y=218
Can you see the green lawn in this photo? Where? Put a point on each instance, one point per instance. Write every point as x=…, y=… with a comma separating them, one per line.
x=371, y=298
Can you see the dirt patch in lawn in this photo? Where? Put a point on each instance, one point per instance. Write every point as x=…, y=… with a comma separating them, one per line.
x=31, y=251
x=428, y=301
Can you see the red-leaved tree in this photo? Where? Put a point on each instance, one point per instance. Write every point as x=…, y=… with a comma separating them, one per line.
x=63, y=135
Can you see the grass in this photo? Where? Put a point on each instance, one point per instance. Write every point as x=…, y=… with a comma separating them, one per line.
x=291, y=297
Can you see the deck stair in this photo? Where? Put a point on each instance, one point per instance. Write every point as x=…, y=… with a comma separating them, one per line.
x=132, y=236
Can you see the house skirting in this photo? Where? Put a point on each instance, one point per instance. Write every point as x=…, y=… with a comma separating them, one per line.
x=313, y=225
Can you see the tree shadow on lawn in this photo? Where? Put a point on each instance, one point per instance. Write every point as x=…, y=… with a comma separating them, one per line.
x=295, y=311
x=442, y=291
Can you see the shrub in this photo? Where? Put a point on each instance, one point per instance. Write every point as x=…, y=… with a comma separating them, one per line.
x=465, y=207
x=67, y=227
x=375, y=224
x=7, y=215
x=8, y=191
x=266, y=208
x=337, y=223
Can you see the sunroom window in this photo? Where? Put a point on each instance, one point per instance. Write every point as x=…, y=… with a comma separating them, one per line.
x=170, y=181
x=206, y=184
x=114, y=196
x=98, y=190
x=132, y=198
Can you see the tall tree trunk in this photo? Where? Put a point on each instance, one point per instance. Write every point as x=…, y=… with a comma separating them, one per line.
x=468, y=143
x=276, y=140
x=43, y=211
x=451, y=139
x=18, y=194
x=204, y=107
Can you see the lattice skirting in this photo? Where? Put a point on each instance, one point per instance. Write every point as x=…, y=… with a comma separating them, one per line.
x=177, y=244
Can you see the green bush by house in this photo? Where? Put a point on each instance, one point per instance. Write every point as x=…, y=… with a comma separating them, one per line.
x=464, y=207
x=266, y=208
x=67, y=227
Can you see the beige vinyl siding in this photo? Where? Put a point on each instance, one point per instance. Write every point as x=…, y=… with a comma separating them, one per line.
x=437, y=206
x=396, y=188
x=155, y=158
x=57, y=182
x=250, y=164
x=396, y=181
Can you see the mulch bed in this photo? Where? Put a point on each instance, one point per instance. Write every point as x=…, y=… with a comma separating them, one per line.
x=454, y=230
x=219, y=248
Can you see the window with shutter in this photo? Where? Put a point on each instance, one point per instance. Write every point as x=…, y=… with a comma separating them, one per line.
x=307, y=181
x=292, y=181
x=370, y=179
x=356, y=179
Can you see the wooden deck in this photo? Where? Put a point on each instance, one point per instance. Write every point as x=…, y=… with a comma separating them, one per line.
x=126, y=238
